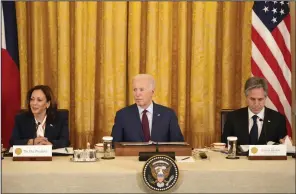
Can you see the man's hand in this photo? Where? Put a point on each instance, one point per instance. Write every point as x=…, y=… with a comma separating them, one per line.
x=282, y=141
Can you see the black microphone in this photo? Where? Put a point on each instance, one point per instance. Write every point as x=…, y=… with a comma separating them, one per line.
x=37, y=125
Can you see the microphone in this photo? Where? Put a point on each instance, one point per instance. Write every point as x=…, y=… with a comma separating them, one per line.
x=156, y=147
x=38, y=124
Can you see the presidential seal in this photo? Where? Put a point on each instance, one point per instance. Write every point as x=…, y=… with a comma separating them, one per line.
x=254, y=150
x=160, y=173
x=18, y=151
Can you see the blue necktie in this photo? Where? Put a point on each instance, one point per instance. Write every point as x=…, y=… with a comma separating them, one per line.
x=254, y=131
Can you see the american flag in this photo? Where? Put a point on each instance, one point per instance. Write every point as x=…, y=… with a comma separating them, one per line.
x=271, y=53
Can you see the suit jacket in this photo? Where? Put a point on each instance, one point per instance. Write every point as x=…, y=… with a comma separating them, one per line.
x=128, y=127
x=237, y=124
x=56, y=130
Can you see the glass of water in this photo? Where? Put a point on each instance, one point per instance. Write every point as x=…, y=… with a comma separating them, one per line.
x=232, y=143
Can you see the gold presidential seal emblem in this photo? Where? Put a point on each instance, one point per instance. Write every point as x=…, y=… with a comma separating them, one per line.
x=160, y=173
x=18, y=151
x=254, y=150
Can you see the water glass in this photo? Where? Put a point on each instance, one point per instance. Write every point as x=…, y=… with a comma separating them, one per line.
x=232, y=142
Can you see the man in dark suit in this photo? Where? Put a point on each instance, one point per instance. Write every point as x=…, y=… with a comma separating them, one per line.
x=145, y=120
x=255, y=124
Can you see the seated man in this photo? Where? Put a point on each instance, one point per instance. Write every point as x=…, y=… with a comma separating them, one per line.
x=255, y=124
x=145, y=120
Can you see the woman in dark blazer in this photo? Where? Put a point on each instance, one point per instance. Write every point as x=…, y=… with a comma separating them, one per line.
x=42, y=124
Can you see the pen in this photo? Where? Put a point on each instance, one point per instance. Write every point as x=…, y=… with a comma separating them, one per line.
x=224, y=152
x=66, y=150
x=186, y=158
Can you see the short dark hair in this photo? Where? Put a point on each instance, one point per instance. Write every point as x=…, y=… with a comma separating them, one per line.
x=51, y=110
x=256, y=82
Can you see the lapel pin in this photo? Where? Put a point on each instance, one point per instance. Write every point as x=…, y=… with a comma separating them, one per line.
x=268, y=121
x=158, y=115
x=51, y=125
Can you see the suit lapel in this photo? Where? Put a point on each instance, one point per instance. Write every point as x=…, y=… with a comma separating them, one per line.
x=32, y=126
x=155, y=119
x=48, y=128
x=138, y=121
x=245, y=126
x=262, y=137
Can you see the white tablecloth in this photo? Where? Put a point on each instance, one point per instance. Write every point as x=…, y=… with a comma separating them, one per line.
x=123, y=175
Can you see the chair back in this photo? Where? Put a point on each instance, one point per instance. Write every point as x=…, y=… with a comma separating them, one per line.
x=224, y=113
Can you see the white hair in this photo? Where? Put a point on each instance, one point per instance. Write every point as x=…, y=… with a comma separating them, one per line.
x=148, y=77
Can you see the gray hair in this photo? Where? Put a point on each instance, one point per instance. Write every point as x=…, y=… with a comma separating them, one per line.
x=147, y=77
x=256, y=82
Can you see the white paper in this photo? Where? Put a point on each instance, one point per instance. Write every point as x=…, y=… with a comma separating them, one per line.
x=288, y=141
x=244, y=148
x=184, y=159
x=291, y=149
x=270, y=143
x=201, y=150
x=67, y=150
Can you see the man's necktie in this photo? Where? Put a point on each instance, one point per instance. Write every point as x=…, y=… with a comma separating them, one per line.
x=145, y=126
x=254, y=131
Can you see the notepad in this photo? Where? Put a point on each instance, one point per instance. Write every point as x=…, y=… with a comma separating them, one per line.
x=67, y=150
x=184, y=159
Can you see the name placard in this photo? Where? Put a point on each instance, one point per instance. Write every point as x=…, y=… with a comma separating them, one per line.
x=268, y=152
x=32, y=152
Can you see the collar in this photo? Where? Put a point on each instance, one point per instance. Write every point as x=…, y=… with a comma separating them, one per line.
x=42, y=123
x=149, y=109
x=260, y=114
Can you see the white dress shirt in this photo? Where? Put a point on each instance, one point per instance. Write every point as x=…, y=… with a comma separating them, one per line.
x=260, y=119
x=149, y=114
x=40, y=128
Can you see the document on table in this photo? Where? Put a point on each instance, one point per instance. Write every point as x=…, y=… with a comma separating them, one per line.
x=67, y=150
x=244, y=148
x=291, y=149
x=184, y=159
